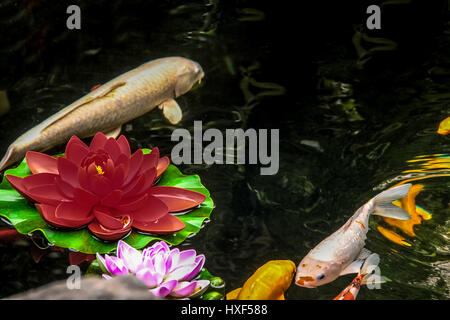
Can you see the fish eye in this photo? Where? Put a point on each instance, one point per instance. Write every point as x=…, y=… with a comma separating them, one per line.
x=320, y=276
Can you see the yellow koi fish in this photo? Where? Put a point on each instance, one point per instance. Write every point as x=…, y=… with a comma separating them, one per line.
x=444, y=126
x=269, y=282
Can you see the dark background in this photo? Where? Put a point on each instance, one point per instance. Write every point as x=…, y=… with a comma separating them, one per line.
x=297, y=57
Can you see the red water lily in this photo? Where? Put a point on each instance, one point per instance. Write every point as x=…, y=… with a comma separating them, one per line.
x=105, y=187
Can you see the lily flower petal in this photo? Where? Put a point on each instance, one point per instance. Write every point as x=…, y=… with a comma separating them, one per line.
x=66, y=189
x=187, y=257
x=39, y=179
x=41, y=163
x=140, y=185
x=161, y=247
x=107, y=234
x=17, y=183
x=124, y=145
x=104, y=217
x=68, y=171
x=76, y=150
x=166, y=224
x=48, y=194
x=165, y=288
x=163, y=164
x=101, y=262
x=48, y=213
x=112, y=148
x=172, y=259
x=181, y=273
x=187, y=272
x=183, y=289
x=150, y=160
x=85, y=198
x=115, y=265
x=74, y=215
x=178, y=199
x=160, y=264
x=112, y=199
x=151, y=279
x=133, y=204
x=98, y=142
x=200, y=288
x=151, y=210
x=100, y=185
x=129, y=255
x=135, y=165
x=200, y=261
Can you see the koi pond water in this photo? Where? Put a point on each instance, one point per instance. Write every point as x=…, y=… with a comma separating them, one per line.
x=358, y=111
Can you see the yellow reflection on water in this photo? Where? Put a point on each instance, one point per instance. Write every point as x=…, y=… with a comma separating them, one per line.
x=429, y=166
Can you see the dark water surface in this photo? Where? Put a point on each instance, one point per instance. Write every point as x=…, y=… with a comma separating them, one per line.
x=350, y=126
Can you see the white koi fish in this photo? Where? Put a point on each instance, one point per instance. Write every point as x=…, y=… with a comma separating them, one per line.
x=343, y=251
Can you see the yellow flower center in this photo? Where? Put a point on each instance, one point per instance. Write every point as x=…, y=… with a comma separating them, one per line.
x=125, y=220
x=99, y=170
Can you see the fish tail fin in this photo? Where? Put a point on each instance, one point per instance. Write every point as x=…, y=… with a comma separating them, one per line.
x=370, y=264
x=383, y=203
x=8, y=158
x=368, y=268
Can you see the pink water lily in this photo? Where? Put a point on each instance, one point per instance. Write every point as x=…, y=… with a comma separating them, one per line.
x=166, y=272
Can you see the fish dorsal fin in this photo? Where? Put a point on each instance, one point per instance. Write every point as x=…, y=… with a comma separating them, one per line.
x=368, y=268
x=233, y=295
x=370, y=263
x=91, y=96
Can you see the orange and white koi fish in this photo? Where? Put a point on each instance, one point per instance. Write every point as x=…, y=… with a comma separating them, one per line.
x=352, y=290
x=343, y=251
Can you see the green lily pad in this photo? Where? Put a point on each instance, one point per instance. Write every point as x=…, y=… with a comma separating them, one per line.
x=26, y=219
x=216, y=289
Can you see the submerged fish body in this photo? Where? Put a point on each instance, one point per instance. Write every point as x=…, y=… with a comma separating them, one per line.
x=269, y=282
x=105, y=109
x=343, y=251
